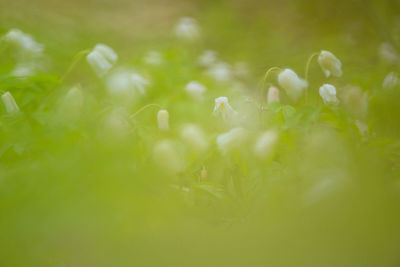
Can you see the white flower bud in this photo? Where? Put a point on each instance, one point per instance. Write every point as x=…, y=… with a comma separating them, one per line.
x=24, y=41
x=153, y=58
x=101, y=59
x=293, y=85
x=208, y=58
x=187, y=29
x=194, y=137
x=328, y=94
x=330, y=64
x=195, y=90
x=223, y=109
x=265, y=144
x=390, y=81
x=273, y=95
x=162, y=118
x=166, y=155
x=221, y=72
x=9, y=103
x=230, y=140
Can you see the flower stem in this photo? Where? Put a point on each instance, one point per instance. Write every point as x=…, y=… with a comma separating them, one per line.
x=143, y=108
x=264, y=82
x=75, y=61
x=307, y=71
x=266, y=75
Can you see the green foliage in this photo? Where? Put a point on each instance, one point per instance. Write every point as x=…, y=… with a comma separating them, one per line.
x=83, y=182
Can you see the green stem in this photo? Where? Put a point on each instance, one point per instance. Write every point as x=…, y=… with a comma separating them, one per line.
x=143, y=108
x=266, y=75
x=307, y=71
x=75, y=61
x=264, y=81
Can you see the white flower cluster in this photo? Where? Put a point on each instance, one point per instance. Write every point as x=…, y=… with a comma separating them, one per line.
x=295, y=86
x=124, y=85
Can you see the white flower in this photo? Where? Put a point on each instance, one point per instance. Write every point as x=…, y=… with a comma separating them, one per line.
x=153, y=58
x=388, y=53
x=101, y=59
x=330, y=64
x=293, y=85
x=328, y=94
x=208, y=58
x=220, y=72
x=99, y=64
x=140, y=83
x=194, y=137
x=390, y=81
x=187, y=29
x=162, y=119
x=273, y=95
x=107, y=52
x=230, y=140
x=123, y=84
x=24, y=41
x=223, y=108
x=265, y=144
x=9, y=103
x=119, y=84
x=167, y=156
x=195, y=90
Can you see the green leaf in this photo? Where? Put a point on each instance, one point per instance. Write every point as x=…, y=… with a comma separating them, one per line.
x=211, y=189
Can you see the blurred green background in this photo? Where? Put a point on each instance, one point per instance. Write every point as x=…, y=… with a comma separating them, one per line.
x=70, y=195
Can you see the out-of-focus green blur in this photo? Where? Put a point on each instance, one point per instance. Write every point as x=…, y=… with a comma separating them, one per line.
x=81, y=184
